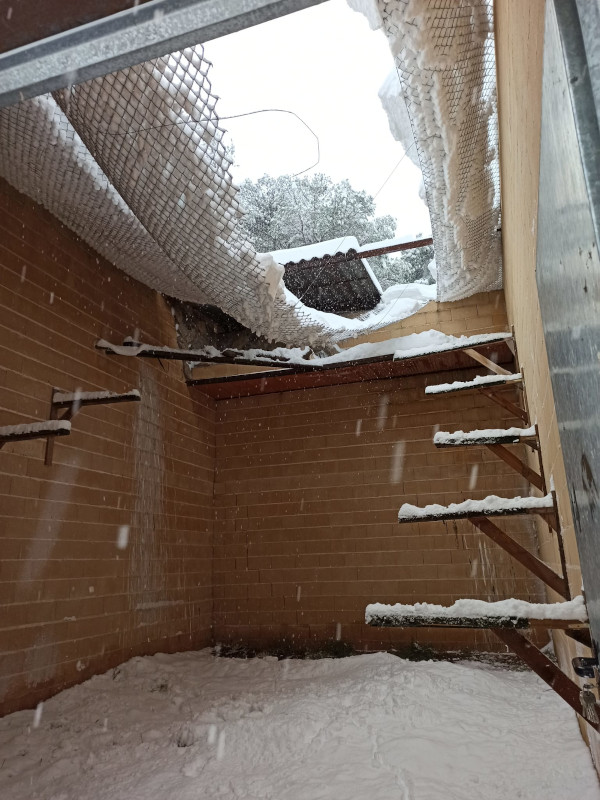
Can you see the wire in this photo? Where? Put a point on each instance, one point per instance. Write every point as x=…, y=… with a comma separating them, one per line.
x=284, y=111
x=216, y=119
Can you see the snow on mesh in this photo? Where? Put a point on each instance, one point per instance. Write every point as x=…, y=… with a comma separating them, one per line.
x=489, y=505
x=458, y=437
x=134, y=163
x=473, y=609
x=444, y=57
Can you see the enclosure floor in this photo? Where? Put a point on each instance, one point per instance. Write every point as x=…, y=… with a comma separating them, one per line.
x=370, y=727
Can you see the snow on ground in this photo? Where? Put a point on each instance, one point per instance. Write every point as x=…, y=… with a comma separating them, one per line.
x=371, y=727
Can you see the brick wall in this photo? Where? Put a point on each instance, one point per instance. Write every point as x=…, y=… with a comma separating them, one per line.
x=307, y=490
x=73, y=603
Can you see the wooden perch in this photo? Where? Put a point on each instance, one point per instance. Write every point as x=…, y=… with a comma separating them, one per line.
x=417, y=621
x=34, y=430
x=507, y=629
x=71, y=402
x=495, y=440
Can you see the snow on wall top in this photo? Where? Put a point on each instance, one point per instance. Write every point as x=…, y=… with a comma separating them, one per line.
x=444, y=57
x=472, y=609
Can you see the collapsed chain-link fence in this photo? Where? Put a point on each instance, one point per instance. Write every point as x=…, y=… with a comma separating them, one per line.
x=445, y=60
x=134, y=163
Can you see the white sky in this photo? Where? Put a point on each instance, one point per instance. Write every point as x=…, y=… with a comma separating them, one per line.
x=326, y=65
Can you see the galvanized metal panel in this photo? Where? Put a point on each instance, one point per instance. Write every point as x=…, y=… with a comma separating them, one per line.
x=130, y=37
x=568, y=274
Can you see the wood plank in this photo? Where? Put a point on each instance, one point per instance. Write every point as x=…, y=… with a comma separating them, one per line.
x=508, y=405
x=82, y=401
x=470, y=515
x=486, y=440
x=546, y=669
x=287, y=379
x=521, y=623
x=486, y=362
x=523, y=556
x=513, y=460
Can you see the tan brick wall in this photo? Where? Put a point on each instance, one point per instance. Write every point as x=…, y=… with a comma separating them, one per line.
x=519, y=44
x=481, y=313
x=73, y=603
x=306, y=530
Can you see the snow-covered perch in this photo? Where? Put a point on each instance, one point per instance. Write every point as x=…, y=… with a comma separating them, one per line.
x=476, y=383
x=404, y=347
x=495, y=439
x=65, y=399
x=71, y=402
x=484, y=436
x=489, y=507
x=468, y=613
x=34, y=430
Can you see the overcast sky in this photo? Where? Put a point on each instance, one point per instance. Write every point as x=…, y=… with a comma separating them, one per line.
x=326, y=65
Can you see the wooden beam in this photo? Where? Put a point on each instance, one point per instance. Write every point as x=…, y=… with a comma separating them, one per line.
x=487, y=362
x=506, y=404
x=546, y=669
x=515, y=462
x=488, y=623
x=581, y=635
x=523, y=556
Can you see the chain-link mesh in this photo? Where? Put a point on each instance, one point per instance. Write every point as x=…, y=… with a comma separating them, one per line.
x=444, y=55
x=134, y=162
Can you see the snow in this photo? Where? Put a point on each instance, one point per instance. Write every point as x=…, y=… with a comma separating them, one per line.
x=473, y=609
x=317, y=250
x=48, y=426
x=410, y=346
x=462, y=437
x=433, y=341
x=192, y=726
x=490, y=505
x=443, y=94
x=78, y=397
x=480, y=380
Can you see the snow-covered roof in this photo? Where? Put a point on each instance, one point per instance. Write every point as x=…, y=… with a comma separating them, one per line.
x=341, y=287
x=317, y=250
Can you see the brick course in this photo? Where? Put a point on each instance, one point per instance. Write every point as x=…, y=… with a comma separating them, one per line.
x=73, y=604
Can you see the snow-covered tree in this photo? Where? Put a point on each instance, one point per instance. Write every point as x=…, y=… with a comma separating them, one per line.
x=410, y=266
x=289, y=212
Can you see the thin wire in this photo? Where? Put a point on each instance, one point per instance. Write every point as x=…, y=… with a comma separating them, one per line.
x=217, y=119
x=284, y=111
